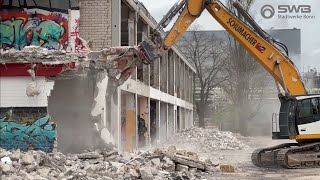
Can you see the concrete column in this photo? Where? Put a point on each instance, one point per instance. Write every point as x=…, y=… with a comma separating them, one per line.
x=192, y=122
x=113, y=106
x=189, y=119
x=163, y=121
x=164, y=73
x=177, y=77
x=174, y=119
x=174, y=75
x=149, y=124
x=158, y=74
x=130, y=122
x=180, y=119
x=158, y=119
x=146, y=68
x=181, y=78
x=112, y=110
x=144, y=114
x=116, y=23
x=183, y=119
x=168, y=72
x=170, y=120
x=186, y=119
x=186, y=83
x=132, y=34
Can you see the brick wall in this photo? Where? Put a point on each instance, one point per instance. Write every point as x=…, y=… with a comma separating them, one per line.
x=95, y=23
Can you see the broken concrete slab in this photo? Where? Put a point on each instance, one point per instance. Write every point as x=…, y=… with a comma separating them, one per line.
x=190, y=162
x=183, y=168
x=146, y=173
x=90, y=155
x=6, y=160
x=227, y=168
x=156, y=162
x=27, y=159
x=6, y=168
x=16, y=155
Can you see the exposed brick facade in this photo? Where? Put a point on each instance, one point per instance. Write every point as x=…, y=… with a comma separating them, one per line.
x=95, y=23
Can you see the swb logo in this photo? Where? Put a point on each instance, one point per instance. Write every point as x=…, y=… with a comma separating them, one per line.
x=268, y=11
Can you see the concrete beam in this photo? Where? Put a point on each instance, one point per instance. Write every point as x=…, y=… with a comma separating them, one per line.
x=116, y=23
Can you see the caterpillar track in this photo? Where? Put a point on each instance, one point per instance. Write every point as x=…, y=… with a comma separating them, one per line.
x=289, y=155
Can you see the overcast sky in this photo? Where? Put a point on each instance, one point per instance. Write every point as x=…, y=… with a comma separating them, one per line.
x=310, y=28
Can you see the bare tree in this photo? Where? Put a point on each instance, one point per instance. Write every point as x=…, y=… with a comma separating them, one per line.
x=209, y=56
x=246, y=81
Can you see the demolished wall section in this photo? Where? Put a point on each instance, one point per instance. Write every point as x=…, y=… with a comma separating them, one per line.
x=24, y=121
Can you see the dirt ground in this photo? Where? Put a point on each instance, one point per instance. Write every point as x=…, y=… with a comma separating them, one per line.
x=245, y=170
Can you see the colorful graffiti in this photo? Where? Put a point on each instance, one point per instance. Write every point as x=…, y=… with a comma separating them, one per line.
x=25, y=27
x=40, y=135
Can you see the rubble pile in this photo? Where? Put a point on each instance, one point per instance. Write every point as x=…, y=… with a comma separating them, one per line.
x=102, y=164
x=206, y=140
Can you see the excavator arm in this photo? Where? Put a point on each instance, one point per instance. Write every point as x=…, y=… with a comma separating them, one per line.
x=258, y=44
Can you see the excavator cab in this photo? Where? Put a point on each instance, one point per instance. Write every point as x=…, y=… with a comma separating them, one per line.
x=299, y=117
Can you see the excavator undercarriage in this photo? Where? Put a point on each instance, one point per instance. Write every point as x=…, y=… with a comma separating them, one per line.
x=289, y=155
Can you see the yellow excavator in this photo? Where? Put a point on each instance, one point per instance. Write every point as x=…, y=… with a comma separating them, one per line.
x=299, y=116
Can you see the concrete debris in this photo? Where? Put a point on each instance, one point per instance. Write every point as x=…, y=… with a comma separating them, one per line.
x=181, y=167
x=37, y=54
x=32, y=89
x=28, y=159
x=6, y=168
x=146, y=173
x=153, y=164
x=6, y=160
x=227, y=168
x=118, y=62
x=206, y=140
x=90, y=155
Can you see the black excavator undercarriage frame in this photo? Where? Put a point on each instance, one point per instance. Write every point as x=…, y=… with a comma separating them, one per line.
x=289, y=155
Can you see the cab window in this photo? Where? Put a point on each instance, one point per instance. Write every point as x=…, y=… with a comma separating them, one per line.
x=309, y=107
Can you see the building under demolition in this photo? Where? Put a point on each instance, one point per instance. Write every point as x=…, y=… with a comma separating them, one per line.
x=61, y=100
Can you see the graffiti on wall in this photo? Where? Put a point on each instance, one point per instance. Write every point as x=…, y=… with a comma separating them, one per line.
x=25, y=27
x=39, y=135
x=18, y=131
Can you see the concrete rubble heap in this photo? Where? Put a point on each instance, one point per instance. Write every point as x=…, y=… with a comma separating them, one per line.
x=104, y=164
x=207, y=140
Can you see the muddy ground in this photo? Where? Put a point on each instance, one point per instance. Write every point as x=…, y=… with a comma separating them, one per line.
x=245, y=170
